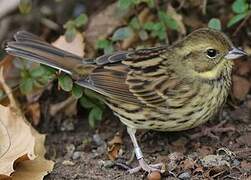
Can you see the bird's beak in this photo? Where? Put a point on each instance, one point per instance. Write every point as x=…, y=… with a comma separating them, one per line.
x=235, y=53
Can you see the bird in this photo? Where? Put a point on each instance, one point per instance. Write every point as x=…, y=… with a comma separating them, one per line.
x=166, y=88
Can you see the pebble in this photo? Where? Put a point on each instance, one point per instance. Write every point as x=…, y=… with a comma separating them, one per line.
x=155, y=175
x=108, y=164
x=76, y=155
x=68, y=163
x=185, y=176
x=236, y=162
x=98, y=140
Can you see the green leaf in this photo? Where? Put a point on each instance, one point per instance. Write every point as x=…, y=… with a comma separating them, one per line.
x=26, y=85
x=70, y=34
x=97, y=98
x=167, y=20
x=134, y=23
x=103, y=43
x=214, y=23
x=77, y=91
x=240, y=6
x=25, y=6
x=81, y=20
x=69, y=24
x=95, y=115
x=86, y=102
x=122, y=33
x=65, y=82
x=236, y=19
x=106, y=45
x=149, y=26
x=157, y=29
x=37, y=71
x=125, y=4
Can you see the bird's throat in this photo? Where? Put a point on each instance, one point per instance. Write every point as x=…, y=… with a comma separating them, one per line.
x=222, y=69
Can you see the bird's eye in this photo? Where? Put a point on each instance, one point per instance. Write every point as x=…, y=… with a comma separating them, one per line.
x=211, y=53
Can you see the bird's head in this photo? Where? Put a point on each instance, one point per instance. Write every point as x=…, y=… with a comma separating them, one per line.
x=207, y=53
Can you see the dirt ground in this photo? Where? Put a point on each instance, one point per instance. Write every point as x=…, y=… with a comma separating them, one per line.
x=80, y=152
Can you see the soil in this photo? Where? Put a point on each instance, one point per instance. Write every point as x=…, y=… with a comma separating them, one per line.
x=80, y=152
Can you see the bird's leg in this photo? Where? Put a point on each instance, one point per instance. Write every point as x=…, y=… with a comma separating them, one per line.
x=138, y=153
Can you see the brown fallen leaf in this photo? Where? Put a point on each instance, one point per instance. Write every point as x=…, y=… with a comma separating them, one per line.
x=10, y=72
x=178, y=18
x=77, y=46
x=241, y=87
x=37, y=168
x=17, y=136
x=114, y=146
x=33, y=110
x=103, y=23
x=19, y=142
x=68, y=107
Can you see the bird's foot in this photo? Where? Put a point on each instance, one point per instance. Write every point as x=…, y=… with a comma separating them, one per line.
x=147, y=167
x=212, y=131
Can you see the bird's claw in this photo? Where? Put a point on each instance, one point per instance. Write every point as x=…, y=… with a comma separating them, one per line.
x=147, y=167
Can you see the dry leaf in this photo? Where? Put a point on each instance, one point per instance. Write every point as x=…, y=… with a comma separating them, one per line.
x=33, y=110
x=20, y=143
x=178, y=18
x=102, y=24
x=68, y=107
x=241, y=87
x=10, y=72
x=37, y=168
x=76, y=47
x=114, y=147
x=17, y=136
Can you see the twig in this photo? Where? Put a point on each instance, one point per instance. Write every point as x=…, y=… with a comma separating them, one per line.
x=242, y=23
x=204, y=7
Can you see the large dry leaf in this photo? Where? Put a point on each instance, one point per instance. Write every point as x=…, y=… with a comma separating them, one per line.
x=19, y=142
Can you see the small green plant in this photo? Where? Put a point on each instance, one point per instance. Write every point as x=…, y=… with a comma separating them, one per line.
x=25, y=6
x=105, y=45
x=241, y=9
x=38, y=77
x=35, y=78
x=72, y=26
x=126, y=4
x=214, y=23
x=96, y=107
x=158, y=29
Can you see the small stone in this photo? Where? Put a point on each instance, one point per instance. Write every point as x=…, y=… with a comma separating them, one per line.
x=108, y=164
x=236, y=162
x=76, y=155
x=68, y=163
x=155, y=175
x=185, y=176
x=98, y=140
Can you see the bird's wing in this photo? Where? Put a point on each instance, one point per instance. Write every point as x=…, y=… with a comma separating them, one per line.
x=133, y=76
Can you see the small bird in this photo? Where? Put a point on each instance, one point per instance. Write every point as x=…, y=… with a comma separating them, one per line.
x=166, y=88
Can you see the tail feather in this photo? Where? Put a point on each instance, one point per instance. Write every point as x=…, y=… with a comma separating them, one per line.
x=31, y=47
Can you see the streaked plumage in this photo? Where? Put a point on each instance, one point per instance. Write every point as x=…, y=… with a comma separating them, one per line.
x=167, y=88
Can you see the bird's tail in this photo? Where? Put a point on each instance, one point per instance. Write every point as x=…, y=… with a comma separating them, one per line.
x=29, y=46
